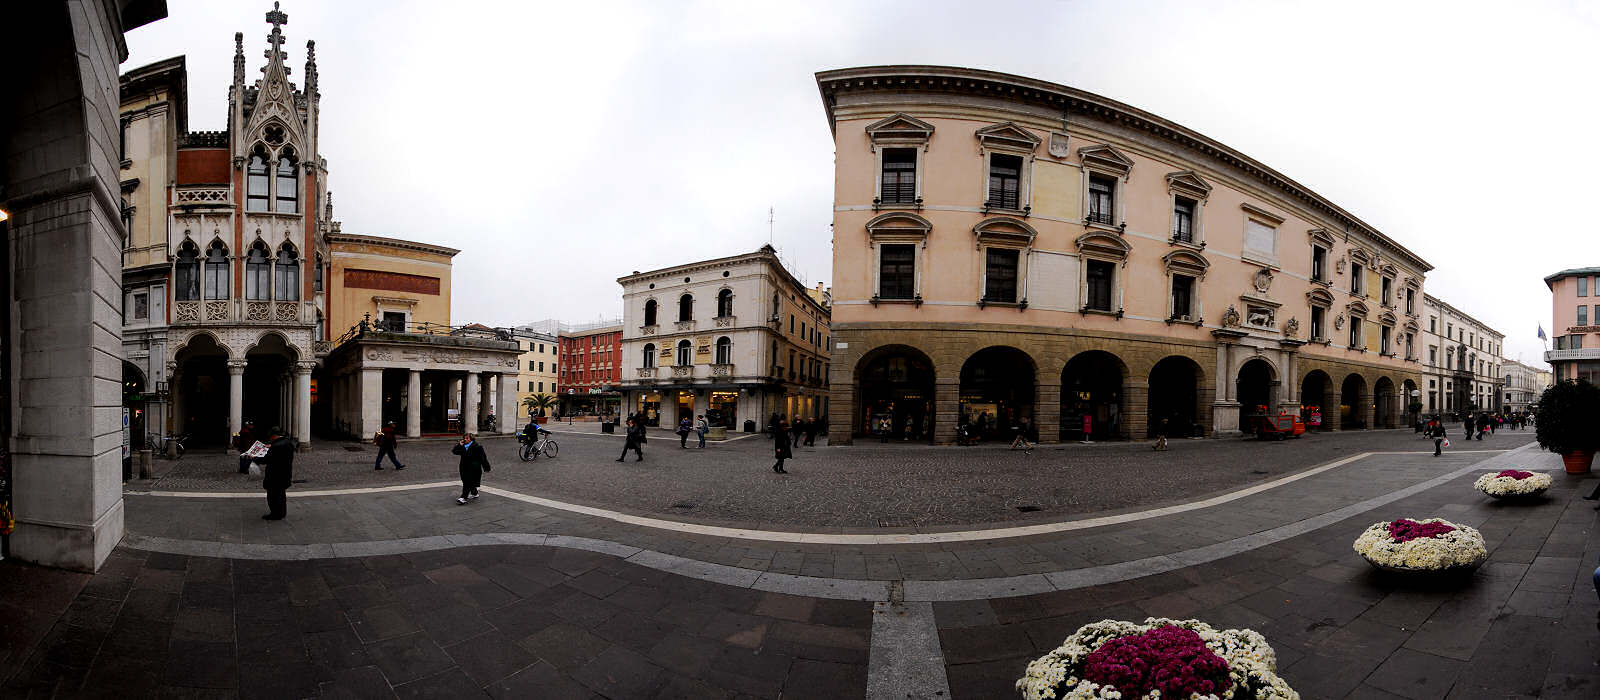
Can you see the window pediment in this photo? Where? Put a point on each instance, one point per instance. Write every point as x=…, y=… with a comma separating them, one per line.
x=1412, y=283
x=1358, y=255
x=899, y=226
x=1188, y=183
x=1186, y=262
x=1102, y=244
x=1103, y=157
x=1411, y=327
x=1357, y=308
x=1265, y=215
x=1389, y=270
x=1004, y=230
x=1319, y=297
x=899, y=128
x=1320, y=236
x=1387, y=318
x=1007, y=136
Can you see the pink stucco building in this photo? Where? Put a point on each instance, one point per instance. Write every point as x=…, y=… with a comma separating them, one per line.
x=1575, y=332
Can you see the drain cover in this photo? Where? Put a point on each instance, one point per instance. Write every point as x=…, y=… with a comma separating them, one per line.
x=352, y=448
x=1028, y=509
x=683, y=504
x=1259, y=471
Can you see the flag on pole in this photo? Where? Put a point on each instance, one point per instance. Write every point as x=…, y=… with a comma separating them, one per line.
x=1541, y=332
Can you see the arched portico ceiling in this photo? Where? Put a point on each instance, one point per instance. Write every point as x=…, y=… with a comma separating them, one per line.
x=1006, y=230
x=273, y=342
x=1092, y=356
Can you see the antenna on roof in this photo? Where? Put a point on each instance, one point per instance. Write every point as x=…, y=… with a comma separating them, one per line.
x=769, y=225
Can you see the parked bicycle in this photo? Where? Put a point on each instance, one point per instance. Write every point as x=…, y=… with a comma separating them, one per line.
x=160, y=444
x=532, y=448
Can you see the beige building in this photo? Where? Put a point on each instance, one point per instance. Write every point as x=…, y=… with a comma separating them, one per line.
x=398, y=284
x=1007, y=249
x=537, y=367
x=1524, y=385
x=736, y=339
x=1462, y=361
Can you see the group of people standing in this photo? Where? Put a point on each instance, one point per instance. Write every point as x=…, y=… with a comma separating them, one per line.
x=1473, y=426
x=786, y=436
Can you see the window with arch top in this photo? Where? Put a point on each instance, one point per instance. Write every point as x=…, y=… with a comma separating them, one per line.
x=724, y=351
x=217, y=271
x=725, y=303
x=685, y=353
x=686, y=308
x=650, y=314
x=258, y=273
x=286, y=275
x=288, y=194
x=186, y=273
x=256, y=183
x=318, y=273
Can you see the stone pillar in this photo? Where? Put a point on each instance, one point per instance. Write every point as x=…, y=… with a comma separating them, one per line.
x=469, y=403
x=1225, y=409
x=235, y=395
x=1135, y=408
x=1330, y=409
x=485, y=396
x=1364, y=406
x=1047, y=407
x=507, y=412
x=414, y=403
x=176, y=419
x=371, y=403
x=946, y=407
x=302, y=403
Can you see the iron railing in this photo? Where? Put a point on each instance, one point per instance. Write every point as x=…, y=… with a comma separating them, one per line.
x=1097, y=216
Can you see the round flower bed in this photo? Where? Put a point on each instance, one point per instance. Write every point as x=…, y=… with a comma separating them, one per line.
x=1160, y=658
x=1432, y=545
x=1512, y=483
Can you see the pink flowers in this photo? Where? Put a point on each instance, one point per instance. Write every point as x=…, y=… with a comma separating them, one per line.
x=1515, y=474
x=1405, y=530
x=1170, y=659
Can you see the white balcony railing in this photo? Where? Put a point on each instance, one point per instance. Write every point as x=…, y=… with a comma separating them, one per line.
x=222, y=311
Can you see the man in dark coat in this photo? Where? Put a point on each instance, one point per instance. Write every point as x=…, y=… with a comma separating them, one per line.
x=277, y=473
x=635, y=438
x=473, y=464
x=780, y=448
x=386, y=445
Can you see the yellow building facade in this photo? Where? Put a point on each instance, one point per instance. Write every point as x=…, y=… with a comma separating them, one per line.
x=404, y=285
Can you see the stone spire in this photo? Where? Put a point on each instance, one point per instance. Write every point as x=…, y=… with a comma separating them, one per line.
x=238, y=58
x=311, y=69
x=275, y=55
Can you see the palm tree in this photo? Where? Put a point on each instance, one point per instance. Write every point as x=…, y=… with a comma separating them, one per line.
x=542, y=402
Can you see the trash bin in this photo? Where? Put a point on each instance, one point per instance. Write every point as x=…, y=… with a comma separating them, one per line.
x=608, y=427
x=749, y=426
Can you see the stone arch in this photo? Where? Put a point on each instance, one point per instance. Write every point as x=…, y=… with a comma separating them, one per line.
x=1092, y=383
x=893, y=393
x=1176, y=396
x=1256, y=387
x=998, y=390
x=1409, y=393
x=1318, y=401
x=1385, y=400
x=264, y=341
x=1355, y=402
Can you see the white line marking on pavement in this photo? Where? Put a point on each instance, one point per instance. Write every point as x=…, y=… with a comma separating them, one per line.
x=905, y=659
x=293, y=493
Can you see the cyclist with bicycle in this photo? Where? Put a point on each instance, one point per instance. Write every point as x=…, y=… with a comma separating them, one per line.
x=530, y=435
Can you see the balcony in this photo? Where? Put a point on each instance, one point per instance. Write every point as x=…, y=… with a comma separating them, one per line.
x=230, y=311
x=722, y=369
x=1103, y=218
x=726, y=321
x=680, y=371
x=684, y=325
x=646, y=372
x=648, y=330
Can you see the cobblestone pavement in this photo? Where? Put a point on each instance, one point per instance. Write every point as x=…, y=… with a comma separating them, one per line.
x=864, y=486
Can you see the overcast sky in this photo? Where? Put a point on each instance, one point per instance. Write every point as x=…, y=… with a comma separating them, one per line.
x=561, y=145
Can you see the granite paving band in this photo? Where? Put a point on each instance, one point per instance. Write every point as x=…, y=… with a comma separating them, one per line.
x=828, y=587
x=906, y=660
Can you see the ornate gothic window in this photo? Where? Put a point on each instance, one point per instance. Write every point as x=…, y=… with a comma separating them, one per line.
x=217, y=271
x=288, y=194
x=258, y=273
x=186, y=273
x=649, y=355
x=256, y=183
x=286, y=275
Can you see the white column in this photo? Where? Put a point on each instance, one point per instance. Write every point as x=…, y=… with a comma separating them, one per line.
x=484, y=394
x=235, y=395
x=508, y=418
x=302, y=403
x=371, y=402
x=469, y=404
x=414, y=404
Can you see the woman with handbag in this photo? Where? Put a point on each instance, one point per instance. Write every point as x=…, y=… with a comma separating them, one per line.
x=780, y=448
x=473, y=464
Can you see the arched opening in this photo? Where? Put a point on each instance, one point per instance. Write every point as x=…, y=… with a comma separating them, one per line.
x=216, y=284
x=256, y=182
x=1410, y=400
x=650, y=313
x=896, y=390
x=258, y=273
x=1316, y=409
x=685, y=355
x=269, y=383
x=686, y=308
x=286, y=275
x=725, y=303
x=1352, y=410
x=1255, y=386
x=1175, y=397
x=1091, y=388
x=724, y=350
x=288, y=194
x=200, y=392
x=1385, y=401
x=186, y=273
x=649, y=359
x=997, y=390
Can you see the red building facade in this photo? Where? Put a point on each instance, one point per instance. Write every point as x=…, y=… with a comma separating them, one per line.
x=591, y=370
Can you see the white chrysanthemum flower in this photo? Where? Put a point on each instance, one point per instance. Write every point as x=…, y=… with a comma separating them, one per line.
x=1252, y=664
x=1461, y=547
x=1495, y=485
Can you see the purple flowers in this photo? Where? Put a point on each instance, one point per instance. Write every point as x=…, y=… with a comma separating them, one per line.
x=1170, y=659
x=1405, y=530
x=1515, y=474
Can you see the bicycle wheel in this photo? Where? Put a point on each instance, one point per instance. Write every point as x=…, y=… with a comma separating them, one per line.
x=526, y=453
x=551, y=448
x=177, y=448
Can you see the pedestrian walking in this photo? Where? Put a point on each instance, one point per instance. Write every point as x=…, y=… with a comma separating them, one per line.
x=1161, y=436
x=684, y=426
x=812, y=427
x=772, y=426
x=634, y=439
x=1436, y=431
x=797, y=429
x=701, y=427
x=277, y=473
x=386, y=445
x=1467, y=426
x=1021, y=439
x=474, y=462
x=243, y=441
x=780, y=448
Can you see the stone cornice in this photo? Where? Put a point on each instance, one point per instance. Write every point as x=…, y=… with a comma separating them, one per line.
x=355, y=239
x=1428, y=299
x=1072, y=101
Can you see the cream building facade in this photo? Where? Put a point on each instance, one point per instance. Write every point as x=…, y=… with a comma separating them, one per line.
x=537, y=366
x=736, y=339
x=1007, y=249
x=1523, y=385
x=1462, y=361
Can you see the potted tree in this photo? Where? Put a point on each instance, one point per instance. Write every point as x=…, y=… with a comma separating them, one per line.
x=538, y=405
x=1568, y=423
